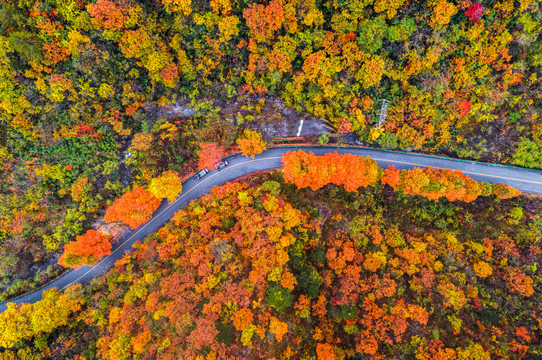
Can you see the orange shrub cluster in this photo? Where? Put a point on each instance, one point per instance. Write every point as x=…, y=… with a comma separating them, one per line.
x=309, y=170
x=87, y=249
x=434, y=184
x=251, y=143
x=133, y=208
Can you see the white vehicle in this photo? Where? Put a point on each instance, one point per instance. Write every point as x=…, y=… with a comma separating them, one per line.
x=222, y=165
x=201, y=174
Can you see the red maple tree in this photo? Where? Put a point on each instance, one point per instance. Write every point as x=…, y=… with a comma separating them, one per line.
x=474, y=12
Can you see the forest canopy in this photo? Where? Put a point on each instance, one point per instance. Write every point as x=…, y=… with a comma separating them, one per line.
x=107, y=105
x=269, y=270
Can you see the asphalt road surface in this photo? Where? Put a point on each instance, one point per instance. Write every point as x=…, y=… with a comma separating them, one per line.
x=529, y=181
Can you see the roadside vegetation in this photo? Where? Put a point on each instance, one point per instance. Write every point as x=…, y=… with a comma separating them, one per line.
x=259, y=268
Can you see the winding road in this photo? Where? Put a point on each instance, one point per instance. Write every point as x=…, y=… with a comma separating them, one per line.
x=529, y=181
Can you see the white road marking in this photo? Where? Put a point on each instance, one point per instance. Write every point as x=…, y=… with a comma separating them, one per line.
x=300, y=127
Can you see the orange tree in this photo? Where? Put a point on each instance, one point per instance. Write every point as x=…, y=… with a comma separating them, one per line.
x=251, y=143
x=434, y=184
x=87, y=249
x=309, y=170
x=209, y=155
x=133, y=208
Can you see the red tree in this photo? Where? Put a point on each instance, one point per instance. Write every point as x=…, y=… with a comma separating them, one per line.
x=464, y=107
x=474, y=12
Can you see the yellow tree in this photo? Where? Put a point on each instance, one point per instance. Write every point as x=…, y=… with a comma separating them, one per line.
x=25, y=321
x=168, y=185
x=251, y=143
x=14, y=324
x=442, y=12
x=177, y=6
x=53, y=310
x=78, y=189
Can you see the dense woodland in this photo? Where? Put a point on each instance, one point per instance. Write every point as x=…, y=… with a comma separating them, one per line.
x=80, y=84
x=260, y=269
x=84, y=148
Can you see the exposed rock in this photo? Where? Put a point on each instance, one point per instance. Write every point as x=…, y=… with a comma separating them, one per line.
x=116, y=229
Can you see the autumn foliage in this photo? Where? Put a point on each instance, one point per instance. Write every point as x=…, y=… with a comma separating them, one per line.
x=209, y=155
x=27, y=321
x=133, y=208
x=370, y=291
x=352, y=172
x=262, y=269
x=79, y=78
x=442, y=12
x=234, y=302
x=474, y=12
x=107, y=14
x=251, y=143
x=325, y=352
x=166, y=186
x=504, y=191
x=78, y=189
x=433, y=183
x=308, y=170
x=87, y=249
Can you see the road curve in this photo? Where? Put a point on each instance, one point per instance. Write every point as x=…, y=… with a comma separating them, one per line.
x=529, y=181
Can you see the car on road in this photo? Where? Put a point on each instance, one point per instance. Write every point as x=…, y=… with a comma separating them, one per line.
x=222, y=165
x=201, y=174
